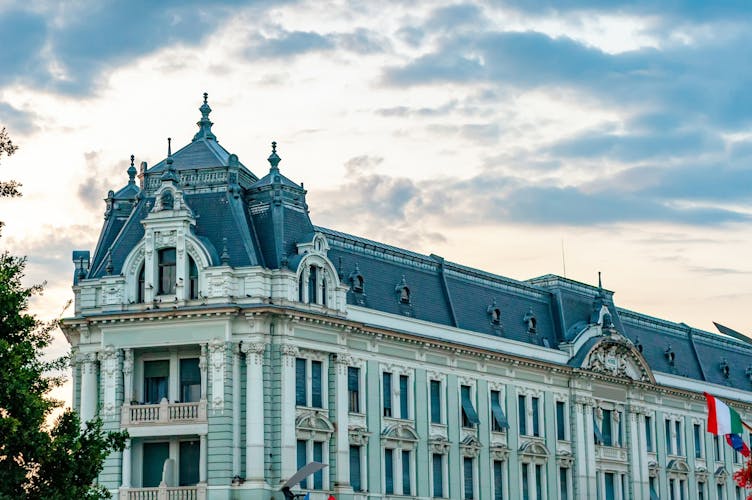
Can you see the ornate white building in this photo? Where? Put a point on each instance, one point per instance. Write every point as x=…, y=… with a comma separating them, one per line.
x=236, y=342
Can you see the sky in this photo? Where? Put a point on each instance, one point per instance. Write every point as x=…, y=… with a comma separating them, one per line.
x=520, y=137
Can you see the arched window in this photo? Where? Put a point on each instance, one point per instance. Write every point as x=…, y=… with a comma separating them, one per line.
x=141, y=284
x=167, y=271
x=312, y=279
x=301, y=292
x=192, y=278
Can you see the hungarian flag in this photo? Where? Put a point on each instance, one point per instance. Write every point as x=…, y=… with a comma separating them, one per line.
x=722, y=419
x=737, y=443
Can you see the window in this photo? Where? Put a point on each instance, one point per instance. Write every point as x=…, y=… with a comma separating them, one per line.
x=653, y=484
x=167, y=268
x=522, y=417
x=536, y=416
x=435, y=390
x=302, y=459
x=190, y=380
x=403, y=383
x=141, y=284
x=154, y=458
x=388, y=471
x=525, y=482
x=606, y=431
x=608, y=479
x=355, y=481
x=318, y=456
x=437, y=469
x=560, y=422
x=469, y=416
x=386, y=387
x=698, y=440
x=316, y=450
x=669, y=443
x=192, y=279
x=312, y=280
x=469, y=485
x=671, y=489
x=719, y=492
x=563, y=483
x=353, y=389
x=156, y=374
x=406, y=486
x=649, y=434
x=308, y=392
x=678, y=437
x=700, y=491
x=717, y=449
x=498, y=419
x=539, y=482
x=188, y=459
x=405, y=295
x=498, y=480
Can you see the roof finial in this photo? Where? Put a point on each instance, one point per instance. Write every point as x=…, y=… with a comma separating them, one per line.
x=225, y=257
x=599, y=280
x=205, y=124
x=274, y=158
x=132, y=172
x=169, y=173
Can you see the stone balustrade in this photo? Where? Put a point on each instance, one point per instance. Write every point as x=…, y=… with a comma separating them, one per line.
x=164, y=413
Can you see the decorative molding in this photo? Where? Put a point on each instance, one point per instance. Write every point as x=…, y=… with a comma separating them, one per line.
x=499, y=452
x=254, y=351
x=358, y=435
x=217, y=350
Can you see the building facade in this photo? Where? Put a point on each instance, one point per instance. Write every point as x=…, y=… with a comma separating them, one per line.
x=236, y=342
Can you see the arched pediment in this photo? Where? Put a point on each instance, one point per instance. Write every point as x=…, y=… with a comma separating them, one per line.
x=314, y=421
x=721, y=474
x=678, y=466
x=470, y=446
x=615, y=355
x=534, y=449
x=400, y=432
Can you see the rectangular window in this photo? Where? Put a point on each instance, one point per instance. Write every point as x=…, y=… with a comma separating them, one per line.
x=606, y=430
x=649, y=434
x=156, y=374
x=719, y=491
x=155, y=455
x=301, y=384
x=652, y=483
x=389, y=471
x=435, y=402
x=698, y=440
x=316, y=401
x=403, y=380
x=700, y=491
x=717, y=448
x=406, y=488
x=355, y=468
x=189, y=458
x=538, y=482
x=387, y=390
x=467, y=464
x=682, y=489
x=608, y=479
x=560, y=422
x=563, y=483
x=597, y=435
x=469, y=416
x=525, y=482
x=353, y=389
x=499, y=419
x=438, y=475
x=498, y=478
x=536, y=416
x=671, y=486
x=190, y=380
x=678, y=437
x=522, y=416
x=318, y=456
x=669, y=444
x=302, y=458
x=167, y=269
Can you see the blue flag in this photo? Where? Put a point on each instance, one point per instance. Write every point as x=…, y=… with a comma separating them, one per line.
x=737, y=443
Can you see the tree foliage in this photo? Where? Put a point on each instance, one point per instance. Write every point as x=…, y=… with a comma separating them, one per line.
x=36, y=460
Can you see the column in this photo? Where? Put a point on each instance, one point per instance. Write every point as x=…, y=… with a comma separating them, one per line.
x=579, y=478
x=287, y=432
x=254, y=411
x=202, y=459
x=88, y=387
x=126, y=465
x=127, y=376
x=635, y=457
x=236, y=410
x=342, y=410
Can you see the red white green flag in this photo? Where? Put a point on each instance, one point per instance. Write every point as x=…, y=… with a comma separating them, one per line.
x=722, y=419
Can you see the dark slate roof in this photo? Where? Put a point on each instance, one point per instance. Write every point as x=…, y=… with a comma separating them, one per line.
x=201, y=153
x=442, y=292
x=274, y=178
x=120, y=243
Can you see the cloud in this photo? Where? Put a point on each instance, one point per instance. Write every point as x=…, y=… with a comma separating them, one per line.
x=18, y=121
x=98, y=181
x=286, y=44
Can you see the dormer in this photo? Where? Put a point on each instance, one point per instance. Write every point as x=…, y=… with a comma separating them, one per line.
x=318, y=281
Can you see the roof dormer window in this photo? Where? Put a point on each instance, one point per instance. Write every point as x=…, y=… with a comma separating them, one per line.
x=167, y=271
x=494, y=313
x=403, y=291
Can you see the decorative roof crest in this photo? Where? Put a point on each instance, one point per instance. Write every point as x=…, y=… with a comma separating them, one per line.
x=205, y=124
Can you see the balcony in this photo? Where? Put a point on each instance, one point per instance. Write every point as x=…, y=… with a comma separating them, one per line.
x=165, y=493
x=164, y=413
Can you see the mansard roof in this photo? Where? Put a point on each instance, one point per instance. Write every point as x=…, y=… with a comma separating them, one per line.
x=261, y=222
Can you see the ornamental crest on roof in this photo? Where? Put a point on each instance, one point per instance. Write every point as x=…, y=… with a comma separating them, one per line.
x=616, y=356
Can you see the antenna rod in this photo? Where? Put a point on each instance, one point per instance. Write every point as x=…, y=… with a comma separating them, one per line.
x=563, y=259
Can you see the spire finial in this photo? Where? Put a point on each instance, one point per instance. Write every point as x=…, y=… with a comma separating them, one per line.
x=274, y=158
x=204, y=124
x=599, y=280
x=169, y=146
x=132, y=172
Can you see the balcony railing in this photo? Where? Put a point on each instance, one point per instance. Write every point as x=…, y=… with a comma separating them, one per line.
x=166, y=493
x=164, y=413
